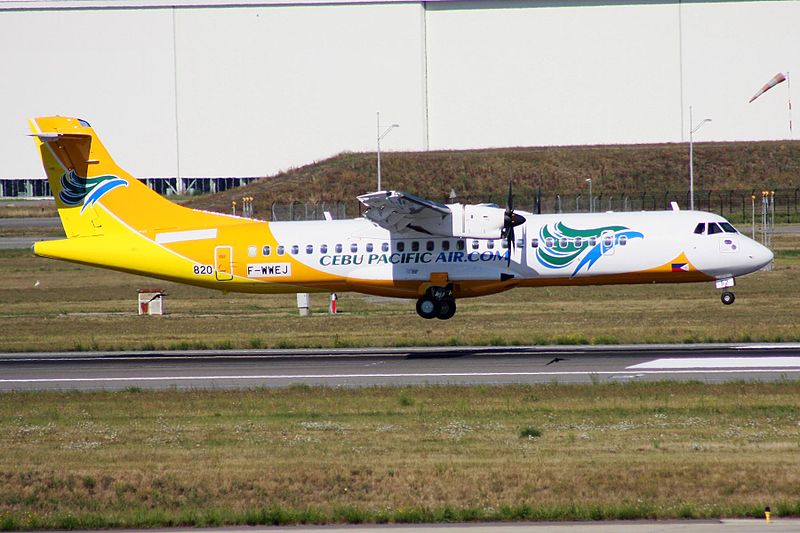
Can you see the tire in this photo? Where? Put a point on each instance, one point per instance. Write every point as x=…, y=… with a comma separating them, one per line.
x=728, y=298
x=428, y=308
x=447, y=308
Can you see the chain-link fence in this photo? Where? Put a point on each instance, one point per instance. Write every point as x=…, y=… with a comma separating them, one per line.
x=736, y=205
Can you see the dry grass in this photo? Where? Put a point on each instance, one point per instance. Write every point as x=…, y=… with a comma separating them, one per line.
x=79, y=308
x=634, y=450
x=482, y=175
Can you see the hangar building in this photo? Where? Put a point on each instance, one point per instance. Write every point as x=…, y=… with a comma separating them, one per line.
x=249, y=87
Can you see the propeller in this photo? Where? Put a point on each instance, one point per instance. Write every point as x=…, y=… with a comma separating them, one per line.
x=510, y=221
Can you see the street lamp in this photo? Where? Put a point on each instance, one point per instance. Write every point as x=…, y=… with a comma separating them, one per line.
x=691, y=156
x=591, y=206
x=381, y=136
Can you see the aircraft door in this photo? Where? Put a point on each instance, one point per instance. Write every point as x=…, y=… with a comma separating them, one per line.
x=223, y=262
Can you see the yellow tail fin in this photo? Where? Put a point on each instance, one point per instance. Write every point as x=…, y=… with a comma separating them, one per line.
x=83, y=176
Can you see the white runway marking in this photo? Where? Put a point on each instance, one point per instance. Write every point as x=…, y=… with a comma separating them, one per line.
x=365, y=376
x=720, y=362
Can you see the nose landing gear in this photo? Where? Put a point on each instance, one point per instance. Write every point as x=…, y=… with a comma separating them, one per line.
x=438, y=302
x=727, y=296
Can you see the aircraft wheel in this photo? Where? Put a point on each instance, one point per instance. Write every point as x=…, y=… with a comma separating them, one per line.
x=447, y=308
x=428, y=307
x=728, y=298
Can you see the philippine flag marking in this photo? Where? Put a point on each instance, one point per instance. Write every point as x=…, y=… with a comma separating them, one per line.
x=680, y=267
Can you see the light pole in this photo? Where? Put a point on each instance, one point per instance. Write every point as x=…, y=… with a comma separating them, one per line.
x=381, y=136
x=591, y=206
x=692, y=129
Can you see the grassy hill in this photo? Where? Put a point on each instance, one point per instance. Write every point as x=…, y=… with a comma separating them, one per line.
x=482, y=175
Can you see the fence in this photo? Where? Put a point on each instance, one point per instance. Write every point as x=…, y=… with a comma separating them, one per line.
x=40, y=188
x=738, y=206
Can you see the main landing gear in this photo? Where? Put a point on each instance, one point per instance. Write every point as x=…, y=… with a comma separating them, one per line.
x=437, y=302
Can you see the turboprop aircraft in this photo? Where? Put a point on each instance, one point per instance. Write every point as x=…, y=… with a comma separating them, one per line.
x=404, y=246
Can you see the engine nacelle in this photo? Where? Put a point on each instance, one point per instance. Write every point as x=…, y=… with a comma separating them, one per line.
x=481, y=221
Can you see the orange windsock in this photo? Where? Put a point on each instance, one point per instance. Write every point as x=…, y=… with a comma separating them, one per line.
x=779, y=77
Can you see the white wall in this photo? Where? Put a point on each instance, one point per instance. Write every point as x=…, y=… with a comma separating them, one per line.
x=269, y=86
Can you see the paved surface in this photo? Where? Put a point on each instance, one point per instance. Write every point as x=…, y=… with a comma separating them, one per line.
x=367, y=367
x=32, y=222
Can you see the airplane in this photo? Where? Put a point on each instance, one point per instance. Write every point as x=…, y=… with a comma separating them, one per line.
x=403, y=246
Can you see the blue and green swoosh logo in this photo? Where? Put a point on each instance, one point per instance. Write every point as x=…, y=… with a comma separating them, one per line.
x=76, y=189
x=582, y=247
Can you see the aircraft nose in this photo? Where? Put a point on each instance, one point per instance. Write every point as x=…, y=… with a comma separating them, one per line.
x=759, y=254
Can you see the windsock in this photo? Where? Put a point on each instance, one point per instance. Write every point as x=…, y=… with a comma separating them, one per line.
x=779, y=77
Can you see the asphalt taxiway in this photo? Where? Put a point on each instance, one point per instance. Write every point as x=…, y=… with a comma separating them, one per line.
x=398, y=366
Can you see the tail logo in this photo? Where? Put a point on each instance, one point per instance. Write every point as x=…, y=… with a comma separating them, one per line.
x=76, y=189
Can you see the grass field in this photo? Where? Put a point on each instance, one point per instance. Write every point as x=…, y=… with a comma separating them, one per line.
x=411, y=454
x=79, y=308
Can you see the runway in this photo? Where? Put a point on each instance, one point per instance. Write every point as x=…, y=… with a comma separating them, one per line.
x=397, y=366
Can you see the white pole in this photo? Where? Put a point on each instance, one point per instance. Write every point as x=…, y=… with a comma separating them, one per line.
x=379, y=150
x=691, y=162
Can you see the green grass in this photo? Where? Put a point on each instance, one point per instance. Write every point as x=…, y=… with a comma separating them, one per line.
x=313, y=455
x=81, y=308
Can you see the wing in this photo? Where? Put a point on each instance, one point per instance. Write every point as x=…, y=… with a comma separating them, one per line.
x=401, y=211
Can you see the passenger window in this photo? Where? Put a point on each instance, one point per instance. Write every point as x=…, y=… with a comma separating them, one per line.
x=713, y=228
x=429, y=246
x=384, y=247
x=623, y=240
x=265, y=250
x=475, y=245
x=490, y=245
x=401, y=246
x=564, y=242
x=592, y=241
x=369, y=247
x=323, y=249
x=700, y=228
x=251, y=251
x=578, y=242
x=415, y=246
x=534, y=243
x=728, y=227
x=338, y=248
x=280, y=250
x=608, y=241
x=549, y=242
x=459, y=245
x=295, y=249
x=520, y=243
x=445, y=246
x=504, y=243
x=354, y=248
x=309, y=249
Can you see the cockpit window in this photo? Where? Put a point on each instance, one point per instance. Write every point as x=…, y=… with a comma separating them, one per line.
x=700, y=229
x=713, y=228
x=728, y=227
